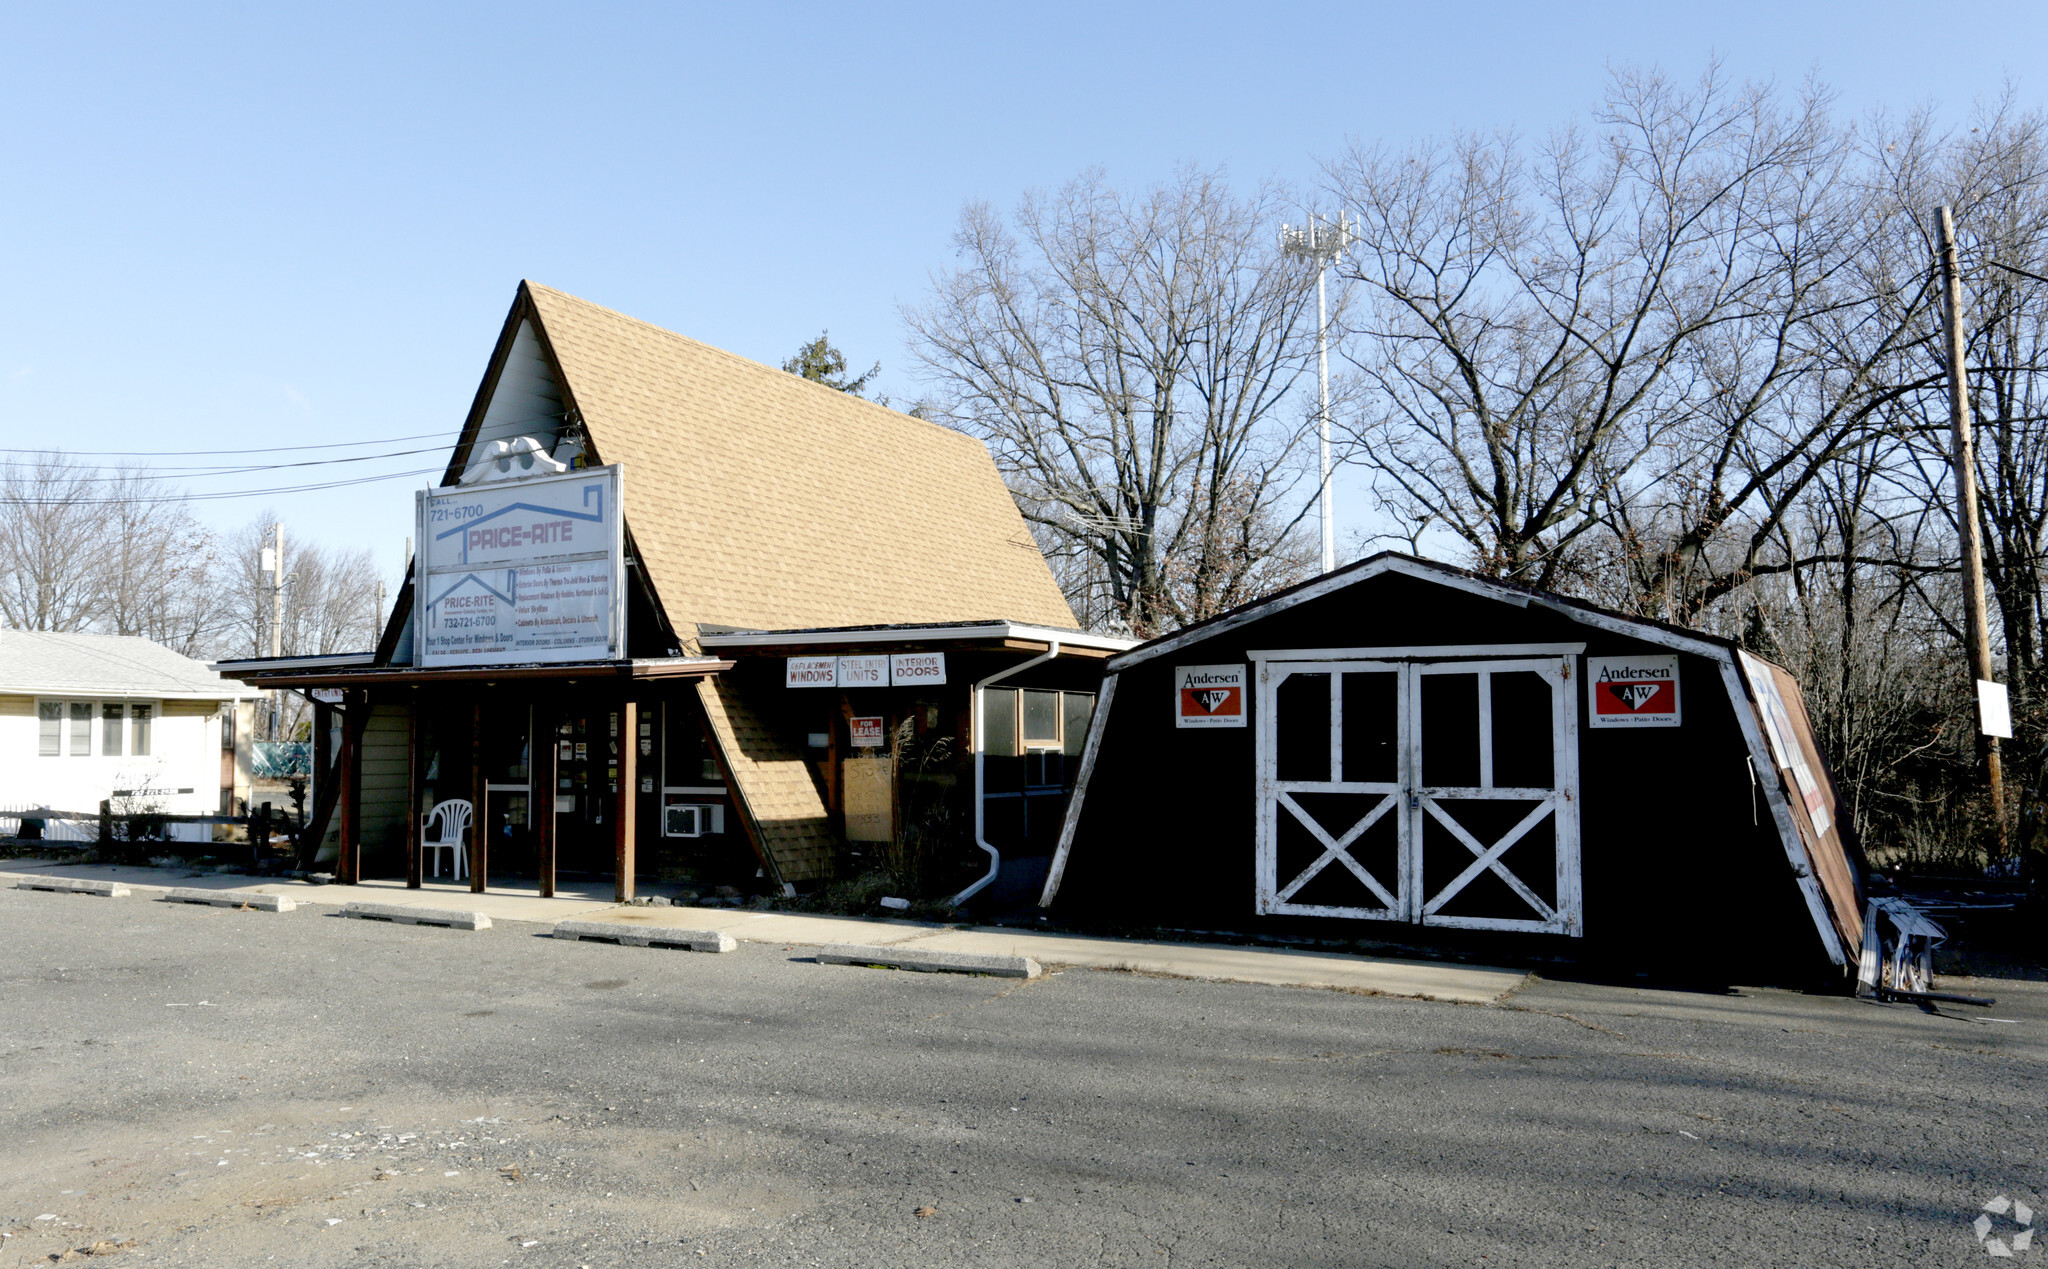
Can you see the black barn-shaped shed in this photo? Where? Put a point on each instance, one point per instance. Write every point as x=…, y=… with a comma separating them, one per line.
x=1405, y=750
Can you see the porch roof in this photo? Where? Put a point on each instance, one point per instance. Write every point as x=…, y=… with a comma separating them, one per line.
x=346, y=672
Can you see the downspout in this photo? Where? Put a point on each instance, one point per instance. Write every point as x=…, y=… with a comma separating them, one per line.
x=995, y=857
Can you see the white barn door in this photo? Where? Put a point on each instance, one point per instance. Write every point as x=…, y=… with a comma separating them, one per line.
x=1444, y=793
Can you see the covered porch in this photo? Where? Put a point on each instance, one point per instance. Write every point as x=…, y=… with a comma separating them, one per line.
x=580, y=778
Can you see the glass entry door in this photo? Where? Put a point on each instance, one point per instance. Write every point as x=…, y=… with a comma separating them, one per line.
x=507, y=813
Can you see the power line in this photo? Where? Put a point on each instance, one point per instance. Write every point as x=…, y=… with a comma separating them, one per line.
x=204, y=472
x=215, y=496
x=209, y=453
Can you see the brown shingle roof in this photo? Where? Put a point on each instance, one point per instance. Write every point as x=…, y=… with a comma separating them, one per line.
x=774, y=787
x=761, y=500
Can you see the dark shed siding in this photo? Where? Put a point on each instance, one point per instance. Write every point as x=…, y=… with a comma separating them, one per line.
x=1680, y=858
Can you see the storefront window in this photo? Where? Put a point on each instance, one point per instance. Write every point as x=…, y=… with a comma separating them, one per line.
x=1078, y=708
x=1041, y=719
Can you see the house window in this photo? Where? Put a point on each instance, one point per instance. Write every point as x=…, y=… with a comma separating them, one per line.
x=65, y=729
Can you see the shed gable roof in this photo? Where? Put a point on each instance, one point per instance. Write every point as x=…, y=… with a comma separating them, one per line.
x=1657, y=632
x=760, y=500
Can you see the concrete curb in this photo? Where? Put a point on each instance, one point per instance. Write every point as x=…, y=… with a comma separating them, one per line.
x=255, y=899
x=405, y=914
x=930, y=961
x=72, y=885
x=647, y=936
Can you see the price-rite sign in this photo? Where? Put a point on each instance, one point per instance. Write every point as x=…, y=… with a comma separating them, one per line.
x=1633, y=691
x=517, y=571
x=1208, y=696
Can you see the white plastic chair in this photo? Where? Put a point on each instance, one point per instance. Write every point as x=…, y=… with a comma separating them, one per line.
x=454, y=816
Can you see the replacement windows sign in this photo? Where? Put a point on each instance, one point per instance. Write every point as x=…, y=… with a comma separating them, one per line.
x=517, y=571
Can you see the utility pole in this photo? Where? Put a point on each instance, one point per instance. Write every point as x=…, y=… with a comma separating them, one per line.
x=1975, y=628
x=272, y=562
x=1321, y=242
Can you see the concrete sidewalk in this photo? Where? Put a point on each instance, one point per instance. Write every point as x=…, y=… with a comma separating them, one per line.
x=1432, y=980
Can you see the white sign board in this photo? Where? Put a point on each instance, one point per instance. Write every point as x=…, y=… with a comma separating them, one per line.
x=1994, y=709
x=917, y=669
x=902, y=669
x=518, y=571
x=1632, y=691
x=864, y=671
x=811, y=672
x=1209, y=696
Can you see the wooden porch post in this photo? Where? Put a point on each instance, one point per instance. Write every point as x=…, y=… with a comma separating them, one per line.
x=479, y=834
x=348, y=864
x=623, y=808
x=545, y=745
x=415, y=785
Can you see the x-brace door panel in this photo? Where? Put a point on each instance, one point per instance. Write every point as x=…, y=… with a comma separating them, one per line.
x=1493, y=841
x=1332, y=777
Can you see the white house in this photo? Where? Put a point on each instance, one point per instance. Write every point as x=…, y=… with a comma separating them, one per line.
x=86, y=718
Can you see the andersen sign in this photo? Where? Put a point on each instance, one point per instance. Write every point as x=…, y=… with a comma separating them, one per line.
x=517, y=571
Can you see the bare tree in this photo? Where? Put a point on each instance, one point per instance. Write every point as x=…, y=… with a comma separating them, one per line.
x=1586, y=335
x=50, y=538
x=1128, y=358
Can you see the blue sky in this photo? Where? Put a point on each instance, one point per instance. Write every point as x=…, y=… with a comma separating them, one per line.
x=246, y=226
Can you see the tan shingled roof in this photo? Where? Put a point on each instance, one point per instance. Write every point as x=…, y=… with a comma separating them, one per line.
x=774, y=787
x=761, y=500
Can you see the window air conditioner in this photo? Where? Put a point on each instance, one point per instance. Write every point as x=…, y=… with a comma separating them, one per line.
x=691, y=819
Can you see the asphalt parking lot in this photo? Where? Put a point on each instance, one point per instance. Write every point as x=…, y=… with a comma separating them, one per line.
x=211, y=1087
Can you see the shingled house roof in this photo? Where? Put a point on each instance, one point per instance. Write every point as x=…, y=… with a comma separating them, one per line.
x=33, y=661
x=757, y=499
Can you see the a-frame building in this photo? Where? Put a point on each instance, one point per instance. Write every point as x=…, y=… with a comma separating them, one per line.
x=756, y=508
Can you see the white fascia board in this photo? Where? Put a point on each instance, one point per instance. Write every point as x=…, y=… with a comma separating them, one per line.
x=225, y=693
x=257, y=665
x=1421, y=652
x=1638, y=630
x=909, y=634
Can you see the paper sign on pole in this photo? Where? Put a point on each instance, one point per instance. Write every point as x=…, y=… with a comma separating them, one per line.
x=1208, y=696
x=1633, y=691
x=917, y=669
x=867, y=732
x=1994, y=709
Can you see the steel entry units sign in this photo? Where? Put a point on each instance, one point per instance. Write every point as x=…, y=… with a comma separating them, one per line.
x=1633, y=691
x=1208, y=695
x=518, y=571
